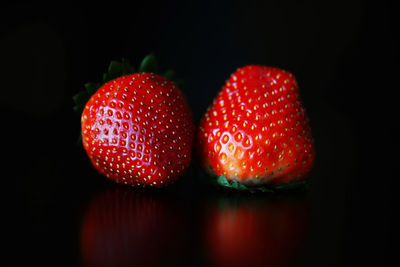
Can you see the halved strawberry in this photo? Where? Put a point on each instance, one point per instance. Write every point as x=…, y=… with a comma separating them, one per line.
x=137, y=129
x=256, y=132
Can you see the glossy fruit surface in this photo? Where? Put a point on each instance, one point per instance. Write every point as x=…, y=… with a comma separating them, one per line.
x=256, y=132
x=138, y=130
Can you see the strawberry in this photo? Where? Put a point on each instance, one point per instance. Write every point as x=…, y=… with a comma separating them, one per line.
x=137, y=129
x=256, y=132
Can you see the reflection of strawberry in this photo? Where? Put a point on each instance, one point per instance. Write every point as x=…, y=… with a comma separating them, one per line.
x=255, y=232
x=127, y=228
x=137, y=129
x=256, y=132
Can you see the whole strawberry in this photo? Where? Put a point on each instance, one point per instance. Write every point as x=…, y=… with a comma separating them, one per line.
x=256, y=131
x=137, y=129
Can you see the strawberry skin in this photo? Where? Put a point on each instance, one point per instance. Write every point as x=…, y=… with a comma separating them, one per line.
x=138, y=130
x=256, y=132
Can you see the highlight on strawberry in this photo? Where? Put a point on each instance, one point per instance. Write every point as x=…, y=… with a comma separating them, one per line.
x=256, y=135
x=137, y=127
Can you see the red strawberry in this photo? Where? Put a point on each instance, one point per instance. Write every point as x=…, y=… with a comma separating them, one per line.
x=138, y=130
x=256, y=131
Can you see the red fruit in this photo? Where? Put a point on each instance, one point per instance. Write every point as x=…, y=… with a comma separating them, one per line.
x=138, y=130
x=256, y=132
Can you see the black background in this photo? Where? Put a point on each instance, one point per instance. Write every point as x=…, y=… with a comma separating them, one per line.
x=345, y=57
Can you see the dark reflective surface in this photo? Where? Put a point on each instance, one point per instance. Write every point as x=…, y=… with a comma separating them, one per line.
x=255, y=230
x=126, y=227
x=123, y=227
x=58, y=211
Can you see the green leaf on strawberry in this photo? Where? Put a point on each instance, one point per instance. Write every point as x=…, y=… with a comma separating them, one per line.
x=80, y=100
x=149, y=64
x=91, y=88
x=170, y=75
x=118, y=68
x=235, y=185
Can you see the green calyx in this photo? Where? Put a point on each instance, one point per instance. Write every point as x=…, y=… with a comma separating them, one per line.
x=117, y=69
x=235, y=185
